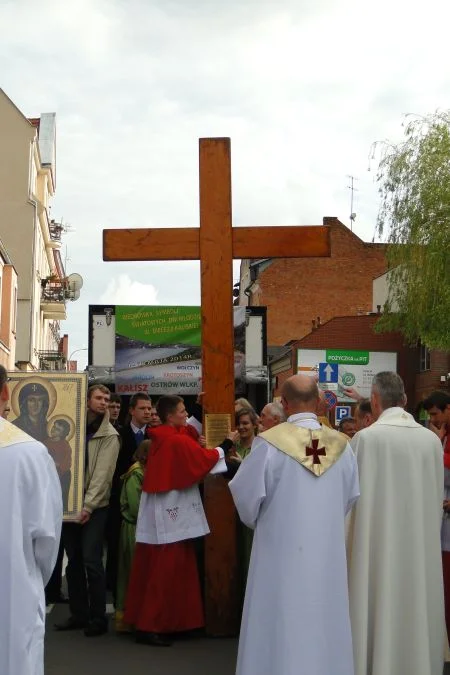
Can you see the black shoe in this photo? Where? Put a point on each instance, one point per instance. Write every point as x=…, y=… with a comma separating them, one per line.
x=152, y=639
x=56, y=600
x=96, y=627
x=194, y=634
x=72, y=623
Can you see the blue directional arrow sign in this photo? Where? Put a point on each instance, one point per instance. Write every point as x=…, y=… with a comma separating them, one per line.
x=328, y=372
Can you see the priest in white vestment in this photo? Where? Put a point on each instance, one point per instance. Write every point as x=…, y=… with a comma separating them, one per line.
x=295, y=488
x=30, y=525
x=395, y=567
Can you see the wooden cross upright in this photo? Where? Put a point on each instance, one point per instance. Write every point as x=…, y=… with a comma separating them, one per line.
x=216, y=243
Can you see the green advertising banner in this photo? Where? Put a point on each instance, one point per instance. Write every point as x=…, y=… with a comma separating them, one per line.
x=160, y=325
x=158, y=349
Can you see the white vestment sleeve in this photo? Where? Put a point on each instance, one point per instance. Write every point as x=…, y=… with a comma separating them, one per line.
x=221, y=466
x=47, y=531
x=248, y=487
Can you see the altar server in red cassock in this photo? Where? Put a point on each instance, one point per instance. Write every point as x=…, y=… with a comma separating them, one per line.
x=164, y=594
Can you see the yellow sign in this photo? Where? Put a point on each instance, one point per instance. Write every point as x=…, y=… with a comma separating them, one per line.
x=217, y=427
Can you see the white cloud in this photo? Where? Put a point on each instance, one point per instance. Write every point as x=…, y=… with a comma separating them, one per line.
x=125, y=291
x=303, y=89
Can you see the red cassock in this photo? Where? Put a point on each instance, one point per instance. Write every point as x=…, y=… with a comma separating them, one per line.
x=164, y=594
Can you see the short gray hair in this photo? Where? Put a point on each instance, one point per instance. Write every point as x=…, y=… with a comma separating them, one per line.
x=391, y=389
x=276, y=410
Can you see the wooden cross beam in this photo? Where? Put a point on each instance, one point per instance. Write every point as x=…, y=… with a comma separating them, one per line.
x=215, y=243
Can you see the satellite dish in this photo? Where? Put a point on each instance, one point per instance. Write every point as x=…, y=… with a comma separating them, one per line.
x=74, y=295
x=75, y=282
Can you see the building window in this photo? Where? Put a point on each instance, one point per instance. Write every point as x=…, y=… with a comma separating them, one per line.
x=425, y=360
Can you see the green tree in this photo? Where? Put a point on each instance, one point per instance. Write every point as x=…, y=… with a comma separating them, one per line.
x=414, y=179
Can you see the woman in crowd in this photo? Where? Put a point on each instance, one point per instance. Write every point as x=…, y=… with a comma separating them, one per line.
x=130, y=497
x=247, y=426
x=241, y=403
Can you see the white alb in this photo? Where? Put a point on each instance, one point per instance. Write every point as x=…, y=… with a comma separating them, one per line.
x=296, y=614
x=31, y=508
x=395, y=567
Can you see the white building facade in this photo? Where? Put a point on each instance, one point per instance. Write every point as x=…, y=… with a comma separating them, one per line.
x=31, y=237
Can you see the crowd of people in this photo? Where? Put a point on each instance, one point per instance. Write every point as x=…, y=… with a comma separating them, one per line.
x=340, y=538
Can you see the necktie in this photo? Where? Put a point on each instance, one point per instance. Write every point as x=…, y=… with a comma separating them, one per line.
x=139, y=436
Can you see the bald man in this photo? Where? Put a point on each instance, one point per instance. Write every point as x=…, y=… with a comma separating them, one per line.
x=294, y=489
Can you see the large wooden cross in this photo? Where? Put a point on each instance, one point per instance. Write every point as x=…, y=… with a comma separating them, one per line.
x=216, y=243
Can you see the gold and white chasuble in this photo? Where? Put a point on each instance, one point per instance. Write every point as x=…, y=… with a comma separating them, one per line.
x=315, y=449
x=294, y=489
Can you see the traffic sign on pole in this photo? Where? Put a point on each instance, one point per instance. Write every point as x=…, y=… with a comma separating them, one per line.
x=331, y=399
x=328, y=372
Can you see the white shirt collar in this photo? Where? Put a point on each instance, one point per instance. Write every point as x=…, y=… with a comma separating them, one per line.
x=302, y=416
x=135, y=429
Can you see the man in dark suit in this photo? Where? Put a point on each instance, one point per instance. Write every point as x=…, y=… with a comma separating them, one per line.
x=131, y=435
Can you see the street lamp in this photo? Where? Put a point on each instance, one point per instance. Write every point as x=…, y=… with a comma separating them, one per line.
x=83, y=349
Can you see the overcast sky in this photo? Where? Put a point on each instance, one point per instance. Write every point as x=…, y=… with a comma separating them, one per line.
x=303, y=88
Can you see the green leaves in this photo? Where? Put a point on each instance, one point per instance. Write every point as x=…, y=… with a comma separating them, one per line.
x=414, y=179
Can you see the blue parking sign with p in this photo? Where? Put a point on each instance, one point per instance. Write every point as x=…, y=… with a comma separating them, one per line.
x=341, y=412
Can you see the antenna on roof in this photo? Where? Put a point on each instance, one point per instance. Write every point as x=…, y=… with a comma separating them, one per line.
x=352, y=189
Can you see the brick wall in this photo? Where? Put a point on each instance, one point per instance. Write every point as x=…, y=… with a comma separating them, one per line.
x=357, y=332
x=297, y=290
x=429, y=380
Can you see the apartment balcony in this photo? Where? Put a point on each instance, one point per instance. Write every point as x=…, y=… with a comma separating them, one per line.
x=53, y=299
x=52, y=360
x=56, y=230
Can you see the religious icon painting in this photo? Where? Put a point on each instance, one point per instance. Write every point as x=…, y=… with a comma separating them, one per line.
x=51, y=408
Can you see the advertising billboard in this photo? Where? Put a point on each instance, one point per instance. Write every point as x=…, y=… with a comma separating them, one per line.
x=158, y=349
x=338, y=369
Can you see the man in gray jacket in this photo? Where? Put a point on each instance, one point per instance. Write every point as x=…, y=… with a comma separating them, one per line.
x=83, y=540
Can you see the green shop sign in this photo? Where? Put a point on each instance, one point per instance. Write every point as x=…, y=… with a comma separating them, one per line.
x=160, y=325
x=347, y=356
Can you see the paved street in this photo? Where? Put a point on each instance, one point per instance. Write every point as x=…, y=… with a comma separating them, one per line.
x=73, y=654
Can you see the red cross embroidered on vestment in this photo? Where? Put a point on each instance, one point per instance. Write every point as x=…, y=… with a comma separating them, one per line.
x=315, y=452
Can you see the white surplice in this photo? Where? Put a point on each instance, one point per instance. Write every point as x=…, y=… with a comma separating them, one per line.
x=30, y=526
x=168, y=517
x=296, y=614
x=395, y=568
